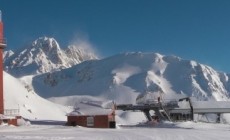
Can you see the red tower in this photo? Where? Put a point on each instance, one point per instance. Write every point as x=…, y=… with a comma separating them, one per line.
x=2, y=46
x=11, y=120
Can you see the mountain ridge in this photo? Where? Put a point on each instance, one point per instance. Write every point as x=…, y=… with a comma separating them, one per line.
x=131, y=74
x=121, y=78
x=44, y=55
x=51, y=71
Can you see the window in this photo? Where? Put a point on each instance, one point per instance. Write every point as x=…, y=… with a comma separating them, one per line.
x=90, y=121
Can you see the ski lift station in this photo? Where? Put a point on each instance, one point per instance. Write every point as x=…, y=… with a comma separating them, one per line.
x=183, y=109
x=9, y=116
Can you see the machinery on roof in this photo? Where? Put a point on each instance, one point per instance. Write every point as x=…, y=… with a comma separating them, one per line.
x=171, y=110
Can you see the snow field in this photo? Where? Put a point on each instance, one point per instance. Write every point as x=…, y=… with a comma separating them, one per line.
x=177, y=131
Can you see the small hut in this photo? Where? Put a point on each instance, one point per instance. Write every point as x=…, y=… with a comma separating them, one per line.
x=10, y=120
x=105, y=119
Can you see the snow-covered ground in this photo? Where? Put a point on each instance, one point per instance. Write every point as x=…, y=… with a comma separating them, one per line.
x=176, y=131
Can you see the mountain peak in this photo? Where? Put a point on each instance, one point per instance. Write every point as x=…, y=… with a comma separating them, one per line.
x=7, y=54
x=48, y=45
x=44, y=55
x=81, y=56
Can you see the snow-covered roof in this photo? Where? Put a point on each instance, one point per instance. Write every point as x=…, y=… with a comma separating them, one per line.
x=211, y=104
x=2, y=117
x=91, y=113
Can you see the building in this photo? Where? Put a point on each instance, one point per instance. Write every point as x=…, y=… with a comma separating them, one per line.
x=9, y=118
x=105, y=119
x=172, y=111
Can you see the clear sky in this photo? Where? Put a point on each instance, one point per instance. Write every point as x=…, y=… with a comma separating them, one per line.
x=191, y=29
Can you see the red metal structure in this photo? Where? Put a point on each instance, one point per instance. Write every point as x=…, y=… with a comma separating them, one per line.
x=2, y=46
x=11, y=120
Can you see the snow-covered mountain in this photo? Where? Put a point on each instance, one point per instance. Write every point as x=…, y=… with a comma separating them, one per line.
x=7, y=55
x=44, y=55
x=30, y=105
x=125, y=76
x=122, y=78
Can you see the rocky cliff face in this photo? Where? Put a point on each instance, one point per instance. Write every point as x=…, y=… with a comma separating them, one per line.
x=44, y=55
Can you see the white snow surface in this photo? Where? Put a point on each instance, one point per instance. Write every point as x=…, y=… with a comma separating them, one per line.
x=177, y=131
x=35, y=108
x=31, y=106
x=122, y=78
x=125, y=76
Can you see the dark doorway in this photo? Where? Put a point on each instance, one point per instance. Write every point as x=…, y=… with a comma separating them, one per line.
x=73, y=124
x=112, y=124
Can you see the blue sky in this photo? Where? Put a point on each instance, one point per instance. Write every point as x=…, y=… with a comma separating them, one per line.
x=191, y=29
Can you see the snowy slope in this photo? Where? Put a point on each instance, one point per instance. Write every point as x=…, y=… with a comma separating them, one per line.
x=44, y=55
x=125, y=76
x=31, y=106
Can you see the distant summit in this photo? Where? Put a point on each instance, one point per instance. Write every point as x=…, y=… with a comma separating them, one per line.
x=44, y=55
x=7, y=55
x=125, y=76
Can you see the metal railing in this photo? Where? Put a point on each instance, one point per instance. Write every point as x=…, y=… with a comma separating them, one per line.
x=11, y=112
